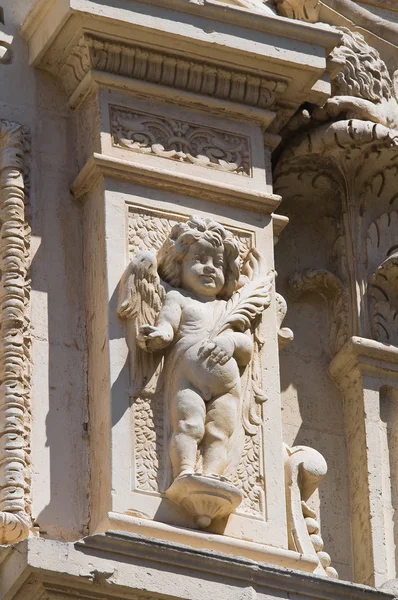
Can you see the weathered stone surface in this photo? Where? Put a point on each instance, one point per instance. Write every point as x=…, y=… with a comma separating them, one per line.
x=160, y=387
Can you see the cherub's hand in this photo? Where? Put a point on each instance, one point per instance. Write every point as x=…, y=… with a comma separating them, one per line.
x=152, y=338
x=219, y=351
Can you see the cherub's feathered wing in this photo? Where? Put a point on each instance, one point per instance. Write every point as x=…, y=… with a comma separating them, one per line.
x=141, y=297
x=243, y=313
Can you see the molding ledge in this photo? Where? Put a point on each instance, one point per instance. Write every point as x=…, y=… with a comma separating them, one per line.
x=126, y=566
x=100, y=165
x=369, y=356
x=220, y=52
x=233, y=548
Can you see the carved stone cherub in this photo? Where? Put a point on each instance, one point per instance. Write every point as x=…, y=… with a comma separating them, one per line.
x=196, y=304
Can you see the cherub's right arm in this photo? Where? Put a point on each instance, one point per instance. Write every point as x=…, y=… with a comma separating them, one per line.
x=170, y=315
x=155, y=338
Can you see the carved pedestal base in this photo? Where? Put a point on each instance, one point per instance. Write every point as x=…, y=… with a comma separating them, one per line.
x=206, y=498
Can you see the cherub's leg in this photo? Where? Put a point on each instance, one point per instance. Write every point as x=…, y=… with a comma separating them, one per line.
x=221, y=421
x=188, y=414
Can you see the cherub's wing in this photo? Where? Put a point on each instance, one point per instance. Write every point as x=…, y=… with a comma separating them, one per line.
x=243, y=313
x=243, y=310
x=141, y=297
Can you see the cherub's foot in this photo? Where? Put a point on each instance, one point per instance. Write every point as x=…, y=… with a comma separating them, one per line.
x=188, y=471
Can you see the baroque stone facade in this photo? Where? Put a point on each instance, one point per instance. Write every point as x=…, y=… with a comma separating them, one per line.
x=198, y=264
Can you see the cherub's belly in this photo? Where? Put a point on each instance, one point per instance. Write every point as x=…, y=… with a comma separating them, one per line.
x=208, y=378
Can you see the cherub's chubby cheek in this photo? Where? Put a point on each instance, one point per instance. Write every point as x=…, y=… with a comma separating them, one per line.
x=208, y=378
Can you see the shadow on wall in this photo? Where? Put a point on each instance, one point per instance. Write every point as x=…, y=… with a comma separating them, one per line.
x=59, y=456
x=312, y=416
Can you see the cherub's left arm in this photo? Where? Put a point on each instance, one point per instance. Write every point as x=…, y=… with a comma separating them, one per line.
x=227, y=345
x=243, y=347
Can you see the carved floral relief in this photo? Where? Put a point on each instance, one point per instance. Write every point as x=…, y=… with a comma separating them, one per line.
x=15, y=518
x=181, y=141
x=193, y=311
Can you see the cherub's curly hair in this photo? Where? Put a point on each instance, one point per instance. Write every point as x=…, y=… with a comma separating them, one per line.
x=363, y=73
x=183, y=235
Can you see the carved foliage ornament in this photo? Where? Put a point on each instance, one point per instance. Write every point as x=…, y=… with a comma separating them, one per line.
x=180, y=141
x=366, y=111
x=193, y=313
x=361, y=84
x=15, y=520
x=304, y=470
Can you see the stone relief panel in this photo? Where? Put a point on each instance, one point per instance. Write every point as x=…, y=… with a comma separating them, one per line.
x=239, y=473
x=180, y=141
x=15, y=336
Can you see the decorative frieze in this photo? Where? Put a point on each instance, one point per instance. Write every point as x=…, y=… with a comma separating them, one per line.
x=180, y=141
x=136, y=62
x=15, y=340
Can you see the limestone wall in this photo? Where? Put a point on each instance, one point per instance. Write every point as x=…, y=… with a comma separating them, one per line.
x=35, y=100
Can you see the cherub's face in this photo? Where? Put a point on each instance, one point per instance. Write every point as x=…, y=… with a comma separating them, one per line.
x=202, y=270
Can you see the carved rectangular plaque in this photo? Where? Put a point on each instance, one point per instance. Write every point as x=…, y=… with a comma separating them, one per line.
x=181, y=141
x=147, y=230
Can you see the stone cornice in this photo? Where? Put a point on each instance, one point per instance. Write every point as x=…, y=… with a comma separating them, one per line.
x=366, y=355
x=76, y=570
x=101, y=165
x=211, y=9
x=211, y=50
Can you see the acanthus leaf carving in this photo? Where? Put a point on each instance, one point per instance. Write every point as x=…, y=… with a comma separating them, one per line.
x=181, y=141
x=361, y=84
x=304, y=470
x=15, y=519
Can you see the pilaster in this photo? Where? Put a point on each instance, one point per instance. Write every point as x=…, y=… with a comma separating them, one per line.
x=178, y=109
